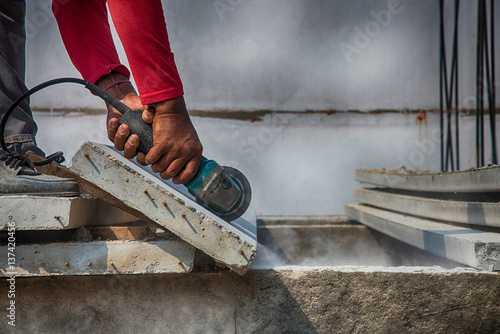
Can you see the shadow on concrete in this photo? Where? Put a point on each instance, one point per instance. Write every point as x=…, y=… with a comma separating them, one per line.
x=222, y=302
x=264, y=304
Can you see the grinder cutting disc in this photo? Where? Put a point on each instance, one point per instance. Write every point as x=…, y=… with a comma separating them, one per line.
x=243, y=203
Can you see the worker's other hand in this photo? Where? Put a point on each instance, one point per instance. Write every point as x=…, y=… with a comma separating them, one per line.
x=177, y=149
x=124, y=92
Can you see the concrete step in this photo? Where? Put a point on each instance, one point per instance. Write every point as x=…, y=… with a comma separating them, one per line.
x=287, y=300
x=58, y=213
x=96, y=258
x=476, y=248
x=333, y=241
x=473, y=212
x=472, y=180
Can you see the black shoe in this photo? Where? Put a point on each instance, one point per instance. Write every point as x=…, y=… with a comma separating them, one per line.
x=18, y=176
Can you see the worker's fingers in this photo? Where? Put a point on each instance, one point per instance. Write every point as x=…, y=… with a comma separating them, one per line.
x=112, y=128
x=154, y=155
x=188, y=172
x=121, y=137
x=148, y=115
x=131, y=146
x=161, y=164
x=141, y=158
x=173, y=169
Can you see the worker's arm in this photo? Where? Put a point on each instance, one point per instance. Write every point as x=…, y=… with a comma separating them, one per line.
x=86, y=34
x=141, y=27
x=143, y=32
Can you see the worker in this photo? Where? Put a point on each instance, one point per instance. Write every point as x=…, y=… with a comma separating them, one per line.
x=86, y=34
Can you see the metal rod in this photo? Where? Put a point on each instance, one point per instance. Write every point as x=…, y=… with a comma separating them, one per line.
x=492, y=91
x=479, y=87
x=491, y=107
x=457, y=108
x=481, y=64
x=441, y=60
x=447, y=92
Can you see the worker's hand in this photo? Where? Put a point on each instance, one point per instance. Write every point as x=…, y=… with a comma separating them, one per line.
x=118, y=135
x=177, y=150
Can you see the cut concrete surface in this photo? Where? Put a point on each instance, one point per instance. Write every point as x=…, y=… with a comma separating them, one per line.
x=475, y=248
x=234, y=244
x=56, y=213
x=472, y=180
x=486, y=213
x=286, y=300
x=98, y=258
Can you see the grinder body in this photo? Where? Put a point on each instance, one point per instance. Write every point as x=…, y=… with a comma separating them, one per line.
x=223, y=190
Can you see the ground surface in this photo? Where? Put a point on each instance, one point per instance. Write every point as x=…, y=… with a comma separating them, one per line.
x=288, y=300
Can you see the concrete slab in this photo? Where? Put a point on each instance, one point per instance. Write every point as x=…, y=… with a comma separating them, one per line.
x=98, y=258
x=471, y=247
x=59, y=213
x=45, y=213
x=56, y=169
x=471, y=180
x=234, y=244
x=453, y=211
x=292, y=300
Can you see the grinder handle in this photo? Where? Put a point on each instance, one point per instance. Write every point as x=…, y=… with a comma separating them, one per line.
x=133, y=118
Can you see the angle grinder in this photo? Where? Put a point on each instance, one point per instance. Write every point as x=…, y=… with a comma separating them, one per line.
x=223, y=190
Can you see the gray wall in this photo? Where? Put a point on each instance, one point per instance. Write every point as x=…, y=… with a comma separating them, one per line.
x=288, y=54
x=297, y=164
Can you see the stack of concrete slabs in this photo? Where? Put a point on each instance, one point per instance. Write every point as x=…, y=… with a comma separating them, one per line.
x=452, y=214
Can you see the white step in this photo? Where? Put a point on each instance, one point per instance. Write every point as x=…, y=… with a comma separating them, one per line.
x=472, y=180
x=479, y=213
x=475, y=248
x=58, y=213
x=97, y=258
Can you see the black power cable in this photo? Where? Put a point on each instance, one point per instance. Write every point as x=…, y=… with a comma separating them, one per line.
x=90, y=86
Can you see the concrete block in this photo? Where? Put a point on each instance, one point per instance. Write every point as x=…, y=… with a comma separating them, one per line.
x=170, y=206
x=98, y=258
x=486, y=213
x=59, y=213
x=294, y=300
x=472, y=180
x=45, y=213
x=56, y=169
x=471, y=247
